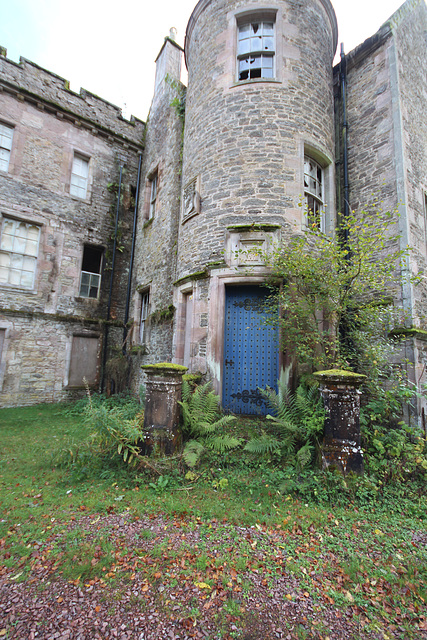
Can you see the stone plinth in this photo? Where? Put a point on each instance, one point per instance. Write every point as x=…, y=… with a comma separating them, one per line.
x=162, y=434
x=341, y=397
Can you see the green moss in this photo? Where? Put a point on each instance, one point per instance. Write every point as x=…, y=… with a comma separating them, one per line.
x=165, y=366
x=192, y=378
x=339, y=374
x=163, y=315
x=218, y=264
x=197, y=275
x=408, y=332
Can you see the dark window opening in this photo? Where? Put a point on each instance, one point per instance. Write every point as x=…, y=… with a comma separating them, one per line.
x=90, y=280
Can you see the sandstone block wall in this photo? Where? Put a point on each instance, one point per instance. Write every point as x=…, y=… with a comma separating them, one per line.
x=246, y=139
x=50, y=124
x=156, y=250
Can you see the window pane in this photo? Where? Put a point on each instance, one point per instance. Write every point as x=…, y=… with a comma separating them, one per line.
x=256, y=44
x=84, y=290
x=16, y=261
x=15, y=277
x=31, y=247
x=268, y=28
x=268, y=44
x=4, y=159
x=4, y=273
x=244, y=31
x=27, y=279
x=244, y=46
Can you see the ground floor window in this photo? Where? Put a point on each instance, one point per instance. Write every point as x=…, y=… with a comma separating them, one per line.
x=143, y=322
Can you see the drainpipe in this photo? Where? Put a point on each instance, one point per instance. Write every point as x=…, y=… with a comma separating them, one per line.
x=344, y=235
x=110, y=293
x=135, y=217
x=343, y=76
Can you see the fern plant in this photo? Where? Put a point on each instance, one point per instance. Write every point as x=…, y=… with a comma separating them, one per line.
x=295, y=425
x=204, y=424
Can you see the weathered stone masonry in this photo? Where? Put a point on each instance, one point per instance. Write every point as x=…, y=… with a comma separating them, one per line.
x=39, y=324
x=218, y=184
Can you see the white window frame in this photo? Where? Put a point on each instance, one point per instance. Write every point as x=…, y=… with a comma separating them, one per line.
x=90, y=279
x=18, y=253
x=144, y=315
x=79, y=176
x=6, y=139
x=253, y=45
x=314, y=193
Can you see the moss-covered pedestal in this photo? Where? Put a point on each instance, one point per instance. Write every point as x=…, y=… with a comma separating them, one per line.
x=341, y=397
x=162, y=434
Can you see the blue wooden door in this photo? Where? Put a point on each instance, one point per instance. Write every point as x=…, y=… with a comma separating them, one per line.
x=251, y=351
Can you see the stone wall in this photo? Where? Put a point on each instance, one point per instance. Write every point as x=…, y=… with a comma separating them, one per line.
x=50, y=124
x=156, y=250
x=250, y=161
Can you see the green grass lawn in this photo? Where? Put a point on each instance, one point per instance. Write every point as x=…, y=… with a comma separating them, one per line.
x=366, y=559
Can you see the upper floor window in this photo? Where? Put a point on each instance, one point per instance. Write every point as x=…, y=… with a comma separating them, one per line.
x=6, y=135
x=79, y=176
x=153, y=195
x=255, y=49
x=19, y=246
x=314, y=193
x=90, y=277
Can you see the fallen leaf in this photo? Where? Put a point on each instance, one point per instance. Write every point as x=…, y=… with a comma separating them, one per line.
x=204, y=585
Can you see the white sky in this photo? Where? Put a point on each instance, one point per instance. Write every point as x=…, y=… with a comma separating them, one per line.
x=109, y=48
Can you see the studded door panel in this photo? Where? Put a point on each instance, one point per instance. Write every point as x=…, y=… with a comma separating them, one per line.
x=251, y=350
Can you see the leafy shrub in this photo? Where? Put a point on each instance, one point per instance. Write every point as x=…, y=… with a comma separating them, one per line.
x=115, y=431
x=203, y=423
x=292, y=433
x=394, y=451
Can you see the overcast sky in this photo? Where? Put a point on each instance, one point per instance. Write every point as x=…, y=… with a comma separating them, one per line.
x=110, y=48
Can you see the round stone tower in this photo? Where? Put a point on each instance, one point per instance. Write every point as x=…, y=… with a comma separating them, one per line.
x=258, y=164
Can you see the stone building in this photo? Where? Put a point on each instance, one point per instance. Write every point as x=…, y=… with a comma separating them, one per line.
x=61, y=155
x=227, y=163
x=263, y=131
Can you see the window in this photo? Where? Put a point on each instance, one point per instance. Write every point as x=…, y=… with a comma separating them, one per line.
x=145, y=305
x=84, y=361
x=255, y=49
x=19, y=246
x=79, y=177
x=313, y=193
x=153, y=196
x=90, y=278
x=6, y=135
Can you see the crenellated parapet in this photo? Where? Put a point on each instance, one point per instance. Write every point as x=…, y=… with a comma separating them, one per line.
x=47, y=91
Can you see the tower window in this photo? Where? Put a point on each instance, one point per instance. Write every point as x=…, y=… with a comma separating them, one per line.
x=314, y=193
x=90, y=277
x=255, y=50
x=153, y=196
x=6, y=135
x=145, y=305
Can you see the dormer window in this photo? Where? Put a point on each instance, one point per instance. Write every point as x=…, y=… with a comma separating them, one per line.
x=255, y=49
